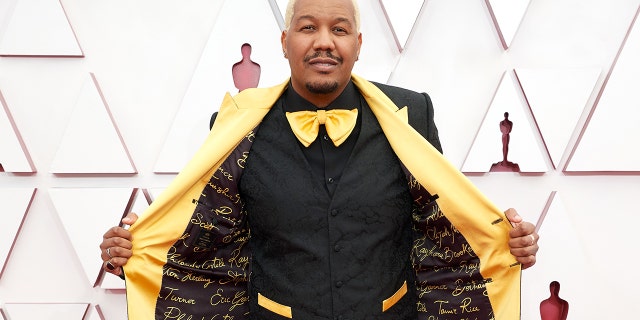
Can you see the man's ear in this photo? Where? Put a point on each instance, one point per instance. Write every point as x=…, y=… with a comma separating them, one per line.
x=283, y=42
x=359, y=45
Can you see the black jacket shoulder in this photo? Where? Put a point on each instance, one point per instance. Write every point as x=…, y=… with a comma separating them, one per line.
x=420, y=110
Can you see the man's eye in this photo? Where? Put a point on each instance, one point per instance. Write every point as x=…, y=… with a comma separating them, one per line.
x=307, y=28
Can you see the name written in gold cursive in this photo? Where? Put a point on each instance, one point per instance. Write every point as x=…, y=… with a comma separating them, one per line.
x=172, y=295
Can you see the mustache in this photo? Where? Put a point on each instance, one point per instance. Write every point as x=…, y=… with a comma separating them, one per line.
x=319, y=54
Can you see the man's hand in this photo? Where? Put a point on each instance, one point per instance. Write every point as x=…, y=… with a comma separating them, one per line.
x=523, y=239
x=116, y=246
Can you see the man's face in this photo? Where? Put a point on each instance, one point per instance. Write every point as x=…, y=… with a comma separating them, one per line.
x=322, y=45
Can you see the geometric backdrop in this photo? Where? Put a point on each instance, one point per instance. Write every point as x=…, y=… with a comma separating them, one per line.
x=102, y=102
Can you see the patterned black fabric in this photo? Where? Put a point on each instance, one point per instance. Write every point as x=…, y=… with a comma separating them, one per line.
x=358, y=241
x=207, y=269
x=328, y=257
x=449, y=282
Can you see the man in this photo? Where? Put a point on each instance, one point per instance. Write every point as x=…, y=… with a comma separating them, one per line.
x=369, y=223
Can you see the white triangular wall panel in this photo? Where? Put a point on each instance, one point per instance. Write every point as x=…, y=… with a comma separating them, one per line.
x=524, y=148
x=46, y=311
x=212, y=79
x=6, y=11
x=14, y=156
x=508, y=15
x=455, y=58
x=605, y=217
x=112, y=282
x=139, y=205
x=527, y=196
x=561, y=258
x=92, y=142
x=557, y=98
x=39, y=28
x=113, y=306
x=402, y=18
x=155, y=192
x=379, y=54
x=548, y=205
x=104, y=207
x=281, y=6
x=15, y=205
x=609, y=139
x=95, y=313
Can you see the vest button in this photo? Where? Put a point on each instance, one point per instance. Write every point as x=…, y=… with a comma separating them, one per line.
x=330, y=180
x=337, y=248
x=334, y=212
x=325, y=137
x=338, y=284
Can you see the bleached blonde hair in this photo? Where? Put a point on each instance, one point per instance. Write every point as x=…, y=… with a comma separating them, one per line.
x=288, y=17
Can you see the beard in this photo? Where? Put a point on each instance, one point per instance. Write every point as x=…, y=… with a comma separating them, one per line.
x=322, y=88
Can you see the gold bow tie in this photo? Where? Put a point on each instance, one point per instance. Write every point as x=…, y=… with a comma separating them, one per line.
x=338, y=122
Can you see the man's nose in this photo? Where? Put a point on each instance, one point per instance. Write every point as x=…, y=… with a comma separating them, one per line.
x=324, y=40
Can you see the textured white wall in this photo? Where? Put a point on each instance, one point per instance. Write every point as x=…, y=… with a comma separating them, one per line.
x=139, y=80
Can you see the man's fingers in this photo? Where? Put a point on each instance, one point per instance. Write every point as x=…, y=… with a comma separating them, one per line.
x=513, y=217
x=109, y=265
x=525, y=241
x=118, y=247
x=130, y=218
x=115, y=249
x=112, y=266
x=527, y=261
x=116, y=252
x=117, y=232
x=525, y=254
x=523, y=229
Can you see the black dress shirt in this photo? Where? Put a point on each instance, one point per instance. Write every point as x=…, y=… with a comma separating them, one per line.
x=327, y=161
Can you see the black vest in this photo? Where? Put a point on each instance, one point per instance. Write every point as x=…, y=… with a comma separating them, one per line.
x=345, y=254
x=328, y=257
